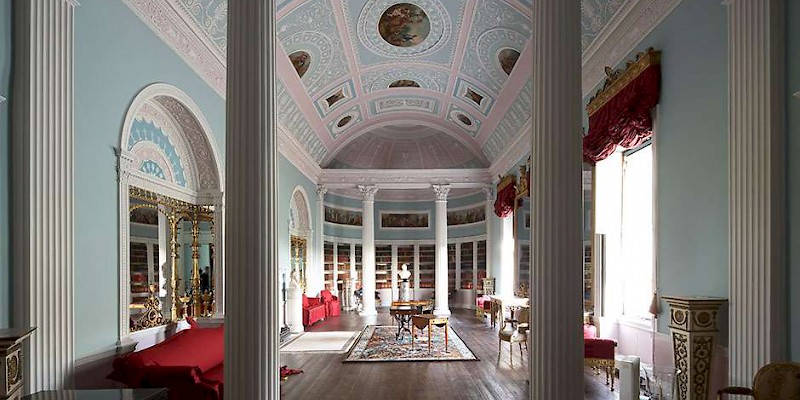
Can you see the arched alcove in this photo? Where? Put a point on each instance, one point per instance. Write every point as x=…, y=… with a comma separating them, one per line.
x=167, y=150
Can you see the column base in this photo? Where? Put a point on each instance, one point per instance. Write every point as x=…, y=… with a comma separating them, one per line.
x=445, y=312
x=368, y=313
x=296, y=329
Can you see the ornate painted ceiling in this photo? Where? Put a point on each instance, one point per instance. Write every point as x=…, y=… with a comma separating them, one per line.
x=358, y=78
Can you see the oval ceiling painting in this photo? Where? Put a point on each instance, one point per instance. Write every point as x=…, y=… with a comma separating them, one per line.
x=403, y=83
x=464, y=119
x=342, y=122
x=404, y=25
x=508, y=59
x=301, y=61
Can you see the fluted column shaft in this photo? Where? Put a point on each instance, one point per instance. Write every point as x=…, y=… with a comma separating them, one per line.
x=42, y=142
x=756, y=186
x=251, y=247
x=556, y=274
x=368, y=250
x=320, y=239
x=441, y=307
x=489, y=212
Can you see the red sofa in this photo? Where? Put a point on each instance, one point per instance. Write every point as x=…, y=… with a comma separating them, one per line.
x=332, y=305
x=313, y=310
x=188, y=363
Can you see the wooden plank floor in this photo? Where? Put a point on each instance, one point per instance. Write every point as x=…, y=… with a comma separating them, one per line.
x=326, y=377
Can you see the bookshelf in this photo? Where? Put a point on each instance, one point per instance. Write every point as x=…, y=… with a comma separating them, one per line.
x=328, y=265
x=405, y=255
x=467, y=266
x=383, y=267
x=524, y=273
x=452, y=262
x=427, y=266
x=359, y=266
x=342, y=264
x=480, y=267
x=144, y=271
x=588, y=279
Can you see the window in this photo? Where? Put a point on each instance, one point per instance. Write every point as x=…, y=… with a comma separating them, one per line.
x=624, y=215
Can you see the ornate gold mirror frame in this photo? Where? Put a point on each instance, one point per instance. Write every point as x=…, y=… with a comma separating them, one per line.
x=299, y=257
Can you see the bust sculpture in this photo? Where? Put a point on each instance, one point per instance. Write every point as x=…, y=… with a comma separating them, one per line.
x=404, y=272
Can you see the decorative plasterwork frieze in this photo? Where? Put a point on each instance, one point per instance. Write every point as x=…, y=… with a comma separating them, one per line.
x=164, y=18
x=621, y=36
x=296, y=154
x=518, y=149
x=406, y=179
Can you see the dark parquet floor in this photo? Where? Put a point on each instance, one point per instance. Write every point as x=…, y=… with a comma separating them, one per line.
x=326, y=377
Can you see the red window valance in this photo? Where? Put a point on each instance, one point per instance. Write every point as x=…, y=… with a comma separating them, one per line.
x=620, y=112
x=506, y=196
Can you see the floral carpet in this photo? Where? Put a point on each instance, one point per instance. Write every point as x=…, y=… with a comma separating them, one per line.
x=379, y=343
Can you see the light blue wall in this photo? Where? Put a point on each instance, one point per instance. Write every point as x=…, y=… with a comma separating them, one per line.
x=691, y=152
x=116, y=56
x=406, y=234
x=793, y=146
x=5, y=167
x=290, y=177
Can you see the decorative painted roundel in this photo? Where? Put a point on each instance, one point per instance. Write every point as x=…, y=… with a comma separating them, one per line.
x=403, y=83
x=464, y=119
x=301, y=61
x=508, y=59
x=410, y=29
x=342, y=122
x=404, y=25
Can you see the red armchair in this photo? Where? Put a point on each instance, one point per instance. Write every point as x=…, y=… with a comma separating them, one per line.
x=177, y=364
x=483, y=306
x=332, y=304
x=313, y=310
x=599, y=353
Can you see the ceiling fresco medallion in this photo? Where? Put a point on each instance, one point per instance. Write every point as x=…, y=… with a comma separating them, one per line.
x=404, y=25
x=410, y=29
x=403, y=83
x=301, y=61
x=508, y=59
x=342, y=122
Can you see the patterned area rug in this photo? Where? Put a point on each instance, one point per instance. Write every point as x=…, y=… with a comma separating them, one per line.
x=378, y=343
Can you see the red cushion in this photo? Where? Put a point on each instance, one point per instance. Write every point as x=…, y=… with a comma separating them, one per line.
x=599, y=348
x=305, y=301
x=326, y=296
x=589, y=331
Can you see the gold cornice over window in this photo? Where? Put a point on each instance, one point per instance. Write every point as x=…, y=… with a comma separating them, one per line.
x=620, y=78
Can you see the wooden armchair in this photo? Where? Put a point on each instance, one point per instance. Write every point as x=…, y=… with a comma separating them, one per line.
x=776, y=381
x=515, y=331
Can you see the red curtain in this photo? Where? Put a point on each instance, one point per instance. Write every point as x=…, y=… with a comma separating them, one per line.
x=625, y=119
x=506, y=194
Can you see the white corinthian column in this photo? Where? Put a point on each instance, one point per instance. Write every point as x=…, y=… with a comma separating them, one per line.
x=251, y=247
x=556, y=273
x=42, y=141
x=368, y=250
x=442, y=302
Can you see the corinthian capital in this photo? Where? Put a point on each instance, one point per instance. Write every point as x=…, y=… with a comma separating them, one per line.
x=441, y=192
x=489, y=192
x=322, y=190
x=368, y=192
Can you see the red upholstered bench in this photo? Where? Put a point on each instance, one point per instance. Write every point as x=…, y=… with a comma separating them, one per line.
x=599, y=353
x=332, y=305
x=483, y=306
x=313, y=310
x=189, y=364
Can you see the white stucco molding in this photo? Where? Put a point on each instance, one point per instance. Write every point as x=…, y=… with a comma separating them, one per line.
x=2, y=99
x=620, y=37
x=405, y=178
x=518, y=149
x=297, y=154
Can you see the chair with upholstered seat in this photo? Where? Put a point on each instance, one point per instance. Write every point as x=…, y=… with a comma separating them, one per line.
x=515, y=331
x=776, y=381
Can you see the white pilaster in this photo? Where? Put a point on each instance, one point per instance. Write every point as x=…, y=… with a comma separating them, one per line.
x=251, y=318
x=556, y=280
x=504, y=274
x=368, y=250
x=440, y=273
x=320, y=238
x=756, y=167
x=42, y=142
x=219, y=256
x=490, y=268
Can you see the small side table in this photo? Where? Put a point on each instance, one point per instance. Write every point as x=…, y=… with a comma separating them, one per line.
x=111, y=394
x=428, y=321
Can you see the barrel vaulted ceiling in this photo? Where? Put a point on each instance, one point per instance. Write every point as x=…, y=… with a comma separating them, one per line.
x=361, y=79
